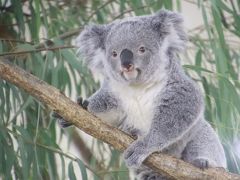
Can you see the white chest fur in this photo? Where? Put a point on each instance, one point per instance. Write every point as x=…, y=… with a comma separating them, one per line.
x=138, y=104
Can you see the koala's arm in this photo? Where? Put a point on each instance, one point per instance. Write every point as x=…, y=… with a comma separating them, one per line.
x=105, y=105
x=102, y=104
x=177, y=111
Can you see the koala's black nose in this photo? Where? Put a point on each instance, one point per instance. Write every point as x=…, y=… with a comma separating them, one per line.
x=126, y=57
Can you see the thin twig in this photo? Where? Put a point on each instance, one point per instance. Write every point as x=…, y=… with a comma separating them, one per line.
x=134, y=9
x=99, y=8
x=36, y=50
x=63, y=36
x=112, y=171
x=16, y=40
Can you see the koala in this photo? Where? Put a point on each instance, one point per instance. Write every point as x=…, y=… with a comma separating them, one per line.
x=146, y=93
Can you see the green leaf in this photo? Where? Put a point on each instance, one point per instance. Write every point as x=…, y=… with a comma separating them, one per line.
x=26, y=103
x=18, y=13
x=35, y=19
x=24, y=47
x=25, y=134
x=71, y=59
x=71, y=173
x=1, y=46
x=10, y=160
x=198, y=58
x=197, y=68
x=51, y=166
x=83, y=169
x=63, y=167
x=168, y=4
x=122, y=6
x=24, y=159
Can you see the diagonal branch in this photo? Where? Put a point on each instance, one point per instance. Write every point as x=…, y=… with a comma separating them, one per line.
x=52, y=97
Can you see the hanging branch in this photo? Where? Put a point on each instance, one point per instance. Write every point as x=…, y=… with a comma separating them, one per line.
x=52, y=97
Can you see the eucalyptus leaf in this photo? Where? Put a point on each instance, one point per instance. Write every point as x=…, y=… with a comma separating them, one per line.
x=71, y=173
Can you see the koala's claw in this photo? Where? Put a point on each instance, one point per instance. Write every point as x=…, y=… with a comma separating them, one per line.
x=82, y=103
x=64, y=124
x=56, y=115
x=135, y=154
x=201, y=163
x=61, y=121
x=135, y=133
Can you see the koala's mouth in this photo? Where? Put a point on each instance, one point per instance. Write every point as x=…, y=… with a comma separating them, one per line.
x=131, y=75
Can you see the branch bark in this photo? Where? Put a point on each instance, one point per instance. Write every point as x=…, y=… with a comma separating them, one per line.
x=52, y=97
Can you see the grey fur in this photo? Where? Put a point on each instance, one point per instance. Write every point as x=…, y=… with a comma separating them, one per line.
x=171, y=103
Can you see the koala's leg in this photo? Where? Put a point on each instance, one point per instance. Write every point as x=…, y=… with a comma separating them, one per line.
x=145, y=173
x=205, y=149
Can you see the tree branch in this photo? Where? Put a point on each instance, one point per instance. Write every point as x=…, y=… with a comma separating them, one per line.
x=35, y=50
x=52, y=97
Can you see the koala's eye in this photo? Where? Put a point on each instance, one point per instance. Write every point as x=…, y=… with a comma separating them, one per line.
x=114, y=54
x=141, y=50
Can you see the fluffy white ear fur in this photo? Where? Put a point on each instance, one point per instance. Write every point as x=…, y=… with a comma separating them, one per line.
x=96, y=65
x=170, y=24
x=175, y=41
x=91, y=46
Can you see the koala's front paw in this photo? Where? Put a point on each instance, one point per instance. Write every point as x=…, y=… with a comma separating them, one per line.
x=201, y=163
x=82, y=103
x=135, y=154
x=135, y=133
x=63, y=123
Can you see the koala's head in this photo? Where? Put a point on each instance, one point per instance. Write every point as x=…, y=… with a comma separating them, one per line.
x=133, y=50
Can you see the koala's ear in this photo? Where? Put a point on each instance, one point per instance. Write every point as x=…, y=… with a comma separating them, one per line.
x=170, y=25
x=91, y=43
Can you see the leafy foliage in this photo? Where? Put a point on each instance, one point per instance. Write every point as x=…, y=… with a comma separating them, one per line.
x=36, y=35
